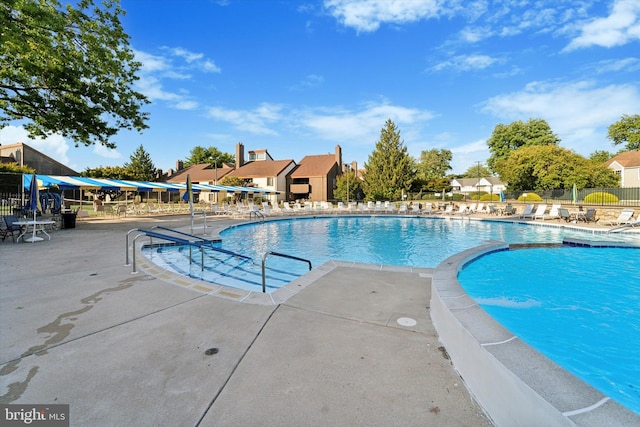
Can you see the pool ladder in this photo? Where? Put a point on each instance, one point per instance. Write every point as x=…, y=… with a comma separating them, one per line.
x=199, y=242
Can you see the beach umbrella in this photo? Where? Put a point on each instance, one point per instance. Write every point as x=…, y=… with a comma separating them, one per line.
x=188, y=195
x=502, y=196
x=574, y=195
x=34, y=204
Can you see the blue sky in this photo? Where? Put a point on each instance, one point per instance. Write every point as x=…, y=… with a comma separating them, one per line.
x=300, y=77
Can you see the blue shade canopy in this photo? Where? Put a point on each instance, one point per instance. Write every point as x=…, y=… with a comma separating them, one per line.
x=84, y=183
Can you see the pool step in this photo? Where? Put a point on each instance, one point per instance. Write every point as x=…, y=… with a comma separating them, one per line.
x=238, y=272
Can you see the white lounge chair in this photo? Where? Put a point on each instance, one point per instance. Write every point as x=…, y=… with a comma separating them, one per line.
x=528, y=211
x=448, y=210
x=540, y=210
x=462, y=209
x=624, y=218
x=553, y=213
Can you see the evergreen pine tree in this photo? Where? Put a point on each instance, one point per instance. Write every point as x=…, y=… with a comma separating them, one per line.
x=389, y=169
x=141, y=168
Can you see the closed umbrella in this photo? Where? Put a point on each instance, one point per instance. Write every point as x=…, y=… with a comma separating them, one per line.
x=188, y=196
x=574, y=195
x=34, y=205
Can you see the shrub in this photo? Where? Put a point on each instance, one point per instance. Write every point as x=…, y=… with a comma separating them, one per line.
x=490, y=198
x=601, y=197
x=477, y=195
x=531, y=197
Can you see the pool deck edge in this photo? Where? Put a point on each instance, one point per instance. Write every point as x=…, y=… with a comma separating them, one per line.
x=514, y=383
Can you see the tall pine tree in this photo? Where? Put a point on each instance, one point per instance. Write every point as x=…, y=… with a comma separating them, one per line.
x=141, y=168
x=390, y=170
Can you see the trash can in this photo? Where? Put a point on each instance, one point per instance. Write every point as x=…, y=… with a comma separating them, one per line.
x=68, y=220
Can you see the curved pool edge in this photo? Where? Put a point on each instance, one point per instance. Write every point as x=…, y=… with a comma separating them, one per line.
x=513, y=382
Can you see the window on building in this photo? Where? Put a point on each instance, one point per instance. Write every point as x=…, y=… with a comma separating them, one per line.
x=253, y=156
x=270, y=181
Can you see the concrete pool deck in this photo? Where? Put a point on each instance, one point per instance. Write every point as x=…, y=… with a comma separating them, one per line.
x=77, y=328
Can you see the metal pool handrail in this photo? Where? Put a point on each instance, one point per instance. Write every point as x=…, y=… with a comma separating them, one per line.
x=264, y=260
x=199, y=242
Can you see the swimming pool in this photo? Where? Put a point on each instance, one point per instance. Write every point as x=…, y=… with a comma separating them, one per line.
x=578, y=306
x=398, y=241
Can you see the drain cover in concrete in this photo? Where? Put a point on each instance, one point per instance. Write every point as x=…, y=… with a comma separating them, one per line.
x=406, y=321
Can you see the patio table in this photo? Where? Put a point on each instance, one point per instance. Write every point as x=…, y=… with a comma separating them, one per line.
x=36, y=226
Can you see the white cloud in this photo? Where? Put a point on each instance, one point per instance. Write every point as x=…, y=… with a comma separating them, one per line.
x=367, y=15
x=186, y=105
x=466, y=63
x=618, y=65
x=467, y=155
x=157, y=70
x=309, y=81
x=475, y=34
x=578, y=112
x=151, y=63
x=256, y=121
x=622, y=26
x=109, y=153
x=54, y=146
x=363, y=126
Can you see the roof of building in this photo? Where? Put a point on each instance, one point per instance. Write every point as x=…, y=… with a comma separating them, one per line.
x=314, y=166
x=261, y=169
x=201, y=173
x=627, y=159
x=472, y=182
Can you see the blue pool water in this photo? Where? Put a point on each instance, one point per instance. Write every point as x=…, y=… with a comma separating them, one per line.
x=578, y=306
x=401, y=241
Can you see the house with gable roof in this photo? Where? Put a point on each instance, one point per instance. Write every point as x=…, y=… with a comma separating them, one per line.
x=468, y=186
x=627, y=166
x=262, y=171
x=315, y=178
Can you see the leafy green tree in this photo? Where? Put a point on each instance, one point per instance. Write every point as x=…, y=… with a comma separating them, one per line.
x=108, y=172
x=431, y=168
x=140, y=167
x=348, y=181
x=200, y=155
x=549, y=167
x=434, y=164
x=477, y=170
x=507, y=138
x=235, y=181
x=390, y=170
x=626, y=131
x=68, y=70
x=600, y=156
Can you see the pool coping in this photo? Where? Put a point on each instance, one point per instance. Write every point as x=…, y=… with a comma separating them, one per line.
x=513, y=382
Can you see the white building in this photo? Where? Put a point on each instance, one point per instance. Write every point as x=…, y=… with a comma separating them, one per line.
x=468, y=186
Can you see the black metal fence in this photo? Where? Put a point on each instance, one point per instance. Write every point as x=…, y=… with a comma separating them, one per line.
x=614, y=197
